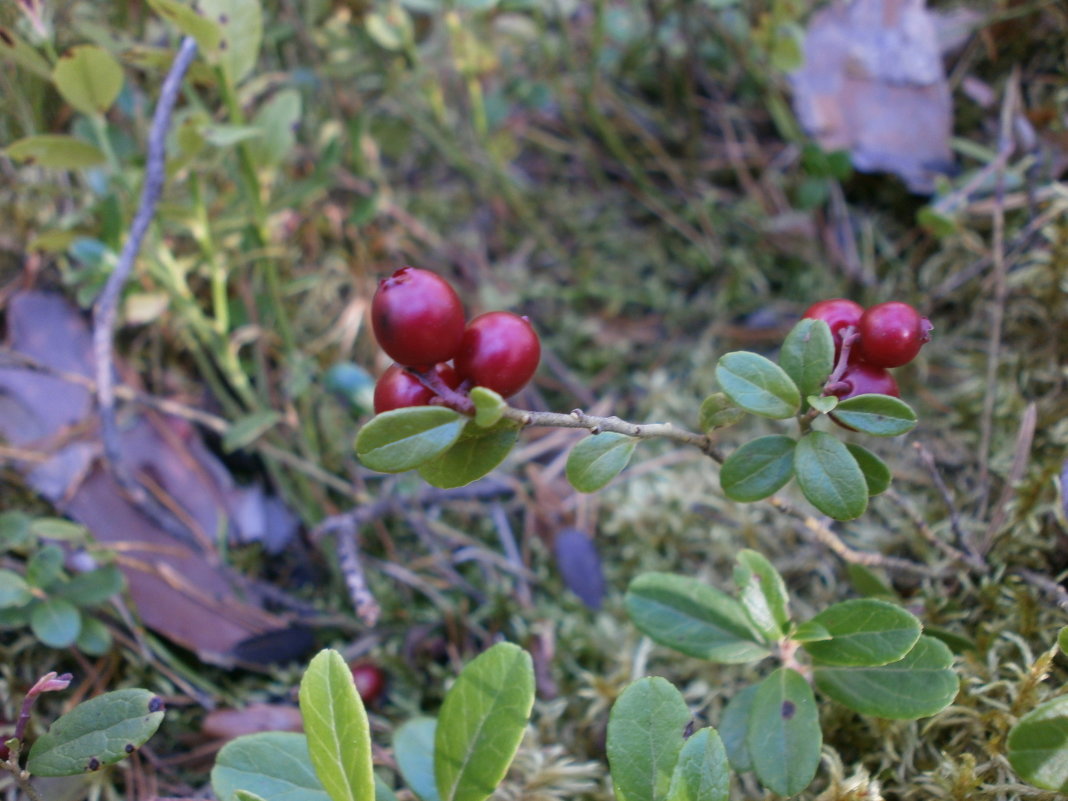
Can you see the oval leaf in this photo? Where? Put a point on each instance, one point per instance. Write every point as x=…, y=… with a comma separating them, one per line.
x=878, y=415
x=185, y=19
x=278, y=119
x=88, y=78
x=92, y=588
x=489, y=406
x=864, y=632
x=94, y=638
x=14, y=591
x=1038, y=745
x=920, y=684
x=689, y=616
x=240, y=25
x=645, y=735
x=413, y=748
x=876, y=473
x=830, y=477
x=763, y=594
x=734, y=728
x=248, y=429
x=56, y=151
x=339, y=736
x=758, y=469
x=481, y=723
x=274, y=765
x=784, y=737
x=807, y=355
x=758, y=385
x=478, y=451
x=97, y=732
x=718, y=411
x=55, y=622
x=45, y=566
x=702, y=772
x=405, y=438
x=597, y=459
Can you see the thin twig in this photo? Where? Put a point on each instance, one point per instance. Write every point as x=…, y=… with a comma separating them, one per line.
x=967, y=557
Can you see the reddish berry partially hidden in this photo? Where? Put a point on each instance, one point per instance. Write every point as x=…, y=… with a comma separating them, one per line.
x=499, y=351
x=370, y=681
x=838, y=313
x=860, y=378
x=417, y=318
x=398, y=389
x=891, y=334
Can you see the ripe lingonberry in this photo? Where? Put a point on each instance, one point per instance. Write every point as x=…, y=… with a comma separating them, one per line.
x=499, y=351
x=370, y=680
x=417, y=318
x=891, y=334
x=861, y=378
x=838, y=313
x=398, y=389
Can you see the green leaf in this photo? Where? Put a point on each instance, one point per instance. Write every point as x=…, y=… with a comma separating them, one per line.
x=97, y=732
x=45, y=566
x=477, y=452
x=56, y=151
x=758, y=385
x=274, y=765
x=88, y=78
x=937, y=221
x=810, y=632
x=645, y=736
x=734, y=728
x=248, y=429
x=413, y=748
x=481, y=723
x=878, y=415
x=920, y=684
x=597, y=459
x=383, y=792
x=14, y=591
x=1062, y=640
x=830, y=477
x=194, y=23
x=824, y=404
x=957, y=643
x=55, y=622
x=229, y=135
x=92, y=588
x=15, y=617
x=784, y=737
x=489, y=406
x=402, y=439
x=788, y=47
x=339, y=736
x=277, y=119
x=56, y=528
x=876, y=474
x=868, y=583
x=15, y=531
x=692, y=617
x=807, y=355
x=701, y=772
x=718, y=411
x=245, y=795
x=1038, y=745
x=94, y=638
x=763, y=594
x=240, y=33
x=864, y=632
x=758, y=468
x=16, y=49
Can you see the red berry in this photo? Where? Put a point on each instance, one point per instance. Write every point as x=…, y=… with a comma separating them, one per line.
x=891, y=334
x=370, y=680
x=838, y=313
x=417, y=317
x=861, y=378
x=398, y=389
x=499, y=351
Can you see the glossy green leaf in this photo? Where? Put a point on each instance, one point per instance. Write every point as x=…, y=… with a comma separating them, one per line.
x=597, y=459
x=89, y=78
x=701, y=772
x=274, y=765
x=56, y=528
x=763, y=594
x=830, y=477
x=405, y=438
x=55, y=151
x=248, y=429
x=481, y=723
x=489, y=406
x=878, y=415
x=920, y=684
x=758, y=385
x=94, y=638
x=807, y=355
x=55, y=622
x=864, y=632
x=758, y=468
x=692, y=617
x=645, y=736
x=45, y=566
x=278, y=120
x=784, y=737
x=1038, y=745
x=339, y=736
x=14, y=591
x=477, y=452
x=240, y=33
x=810, y=631
x=824, y=404
x=718, y=411
x=876, y=473
x=413, y=748
x=92, y=588
x=97, y=732
x=734, y=728
x=194, y=23
x=16, y=49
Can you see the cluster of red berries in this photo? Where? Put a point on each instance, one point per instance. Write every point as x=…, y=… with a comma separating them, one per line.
x=419, y=322
x=886, y=335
